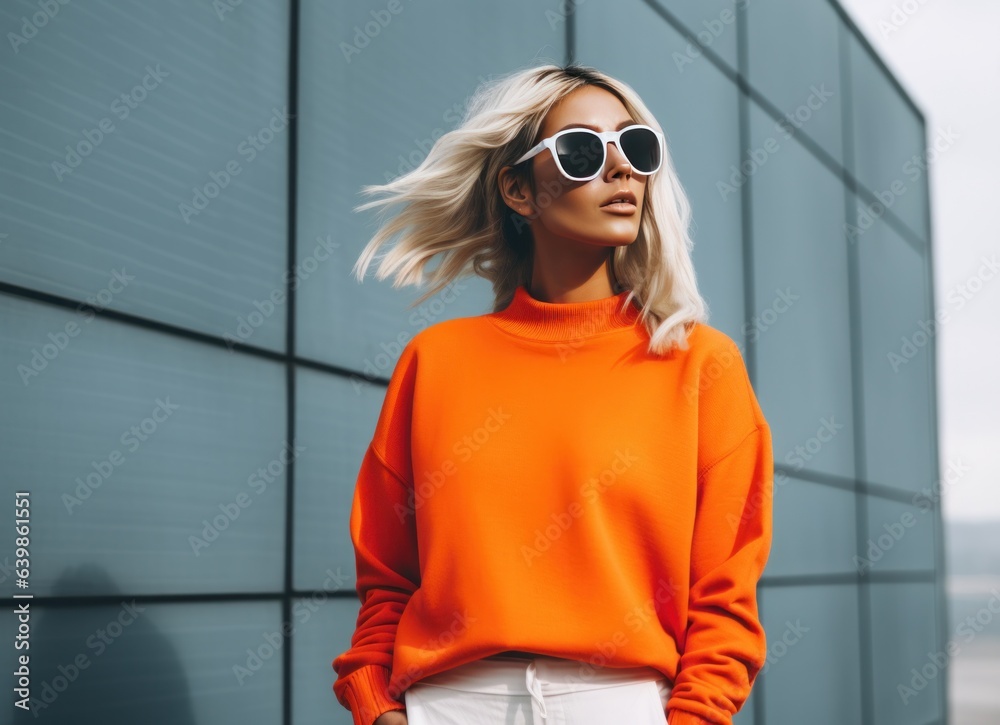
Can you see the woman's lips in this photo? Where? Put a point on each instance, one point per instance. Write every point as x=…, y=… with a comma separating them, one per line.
x=619, y=207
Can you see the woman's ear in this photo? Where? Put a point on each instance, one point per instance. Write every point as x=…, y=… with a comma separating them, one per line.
x=514, y=191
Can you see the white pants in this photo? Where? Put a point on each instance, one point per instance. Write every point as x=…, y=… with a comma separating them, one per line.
x=503, y=690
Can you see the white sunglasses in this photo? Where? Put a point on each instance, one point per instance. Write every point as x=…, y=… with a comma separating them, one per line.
x=580, y=153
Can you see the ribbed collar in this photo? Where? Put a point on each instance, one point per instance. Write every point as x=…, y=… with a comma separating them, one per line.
x=528, y=317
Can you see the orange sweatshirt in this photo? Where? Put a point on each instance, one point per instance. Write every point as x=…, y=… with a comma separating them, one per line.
x=538, y=481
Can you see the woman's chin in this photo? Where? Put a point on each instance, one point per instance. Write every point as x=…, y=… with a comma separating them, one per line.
x=617, y=234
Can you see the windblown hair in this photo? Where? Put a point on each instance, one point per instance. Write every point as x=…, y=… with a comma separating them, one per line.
x=452, y=206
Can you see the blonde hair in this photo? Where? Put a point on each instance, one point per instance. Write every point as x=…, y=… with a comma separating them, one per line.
x=453, y=207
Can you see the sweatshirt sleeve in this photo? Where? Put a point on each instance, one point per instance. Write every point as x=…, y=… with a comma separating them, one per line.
x=725, y=644
x=383, y=532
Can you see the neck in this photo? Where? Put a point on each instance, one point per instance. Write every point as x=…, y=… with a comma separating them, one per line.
x=528, y=317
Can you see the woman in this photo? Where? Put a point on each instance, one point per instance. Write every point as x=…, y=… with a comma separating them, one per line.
x=565, y=507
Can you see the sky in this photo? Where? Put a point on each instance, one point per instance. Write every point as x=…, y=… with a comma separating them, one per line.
x=946, y=55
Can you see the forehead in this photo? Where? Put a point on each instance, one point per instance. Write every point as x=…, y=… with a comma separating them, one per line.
x=586, y=106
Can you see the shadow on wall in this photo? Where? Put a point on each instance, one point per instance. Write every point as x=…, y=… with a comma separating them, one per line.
x=104, y=664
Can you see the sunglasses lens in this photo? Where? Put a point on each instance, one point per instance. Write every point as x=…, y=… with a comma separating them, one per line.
x=580, y=153
x=642, y=149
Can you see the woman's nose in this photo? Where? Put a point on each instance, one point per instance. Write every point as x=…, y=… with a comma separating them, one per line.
x=616, y=163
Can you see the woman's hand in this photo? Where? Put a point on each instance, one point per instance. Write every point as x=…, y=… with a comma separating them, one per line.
x=391, y=717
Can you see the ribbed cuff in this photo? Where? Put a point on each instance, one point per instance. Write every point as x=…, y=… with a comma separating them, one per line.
x=367, y=694
x=684, y=717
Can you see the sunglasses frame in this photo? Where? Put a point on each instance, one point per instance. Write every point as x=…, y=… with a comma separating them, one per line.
x=605, y=137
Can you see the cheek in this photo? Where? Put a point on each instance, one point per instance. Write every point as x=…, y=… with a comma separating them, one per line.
x=558, y=199
x=569, y=212
x=555, y=191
